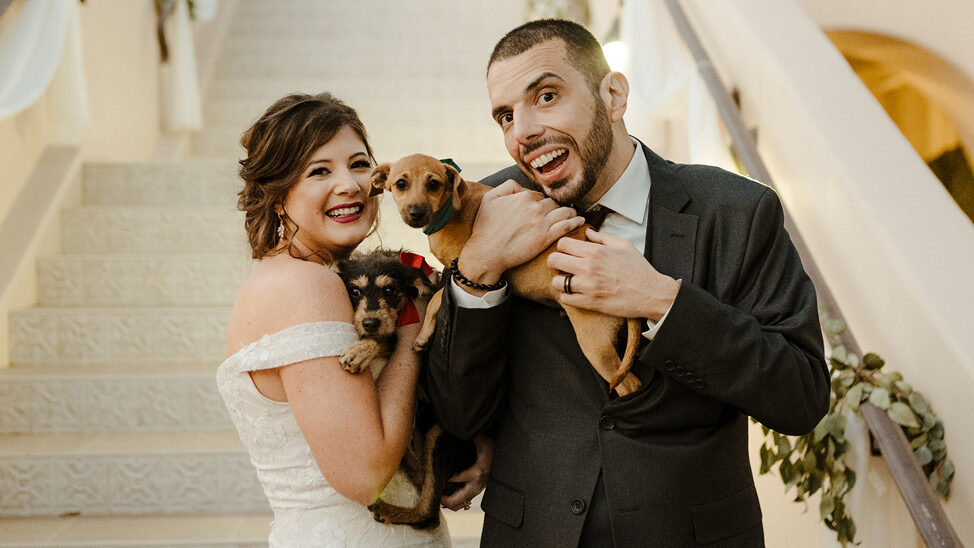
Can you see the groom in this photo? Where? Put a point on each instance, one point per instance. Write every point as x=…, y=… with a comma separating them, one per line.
x=699, y=253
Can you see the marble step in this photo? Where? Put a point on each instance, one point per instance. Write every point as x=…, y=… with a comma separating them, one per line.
x=156, y=531
x=476, y=144
x=127, y=473
x=161, y=183
x=71, y=280
x=99, y=397
x=159, y=230
x=412, y=108
x=354, y=90
x=146, y=335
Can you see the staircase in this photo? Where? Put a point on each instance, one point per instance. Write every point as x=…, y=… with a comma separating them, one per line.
x=111, y=429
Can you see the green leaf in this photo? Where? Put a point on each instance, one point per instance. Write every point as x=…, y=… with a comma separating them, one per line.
x=872, y=362
x=903, y=387
x=947, y=471
x=835, y=325
x=918, y=403
x=809, y=463
x=903, y=415
x=765, y=459
x=923, y=455
x=929, y=420
x=919, y=441
x=884, y=380
x=827, y=505
x=938, y=448
x=839, y=353
x=821, y=429
x=850, y=477
x=784, y=446
x=938, y=430
x=880, y=398
x=854, y=396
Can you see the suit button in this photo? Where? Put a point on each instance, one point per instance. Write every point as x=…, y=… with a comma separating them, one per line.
x=680, y=371
x=699, y=384
x=578, y=507
x=668, y=365
x=607, y=423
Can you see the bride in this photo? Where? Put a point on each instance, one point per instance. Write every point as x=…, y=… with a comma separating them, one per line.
x=325, y=443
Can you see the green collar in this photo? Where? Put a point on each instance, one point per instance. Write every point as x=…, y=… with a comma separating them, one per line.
x=441, y=217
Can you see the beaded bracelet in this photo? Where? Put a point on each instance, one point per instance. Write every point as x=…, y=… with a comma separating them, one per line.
x=463, y=279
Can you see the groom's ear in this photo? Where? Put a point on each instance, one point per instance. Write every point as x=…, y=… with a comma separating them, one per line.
x=379, y=176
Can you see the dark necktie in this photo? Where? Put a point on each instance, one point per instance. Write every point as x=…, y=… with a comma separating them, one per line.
x=595, y=215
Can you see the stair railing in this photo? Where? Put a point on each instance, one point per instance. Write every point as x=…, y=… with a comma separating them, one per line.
x=917, y=494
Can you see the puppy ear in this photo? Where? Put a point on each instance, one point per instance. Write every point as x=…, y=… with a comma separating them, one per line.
x=421, y=286
x=379, y=176
x=457, y=183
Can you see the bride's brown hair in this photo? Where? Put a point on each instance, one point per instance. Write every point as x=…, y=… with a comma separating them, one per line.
x=278, y=146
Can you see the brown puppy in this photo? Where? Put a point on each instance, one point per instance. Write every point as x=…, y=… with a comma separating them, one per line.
x=422, y=186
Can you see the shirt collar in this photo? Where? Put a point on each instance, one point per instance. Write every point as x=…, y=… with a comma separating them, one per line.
x=630, y=193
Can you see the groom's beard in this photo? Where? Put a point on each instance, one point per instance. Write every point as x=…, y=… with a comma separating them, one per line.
x=593, y=153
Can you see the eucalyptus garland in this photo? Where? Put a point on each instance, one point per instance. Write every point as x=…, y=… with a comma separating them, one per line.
x=814, y=462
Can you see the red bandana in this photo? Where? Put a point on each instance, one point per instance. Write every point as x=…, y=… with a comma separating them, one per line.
x=409, y=315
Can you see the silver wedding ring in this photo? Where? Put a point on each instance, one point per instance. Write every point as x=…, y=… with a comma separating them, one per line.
x=568, y=283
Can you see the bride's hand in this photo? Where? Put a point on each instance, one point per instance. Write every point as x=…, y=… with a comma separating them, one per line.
x=473, y=479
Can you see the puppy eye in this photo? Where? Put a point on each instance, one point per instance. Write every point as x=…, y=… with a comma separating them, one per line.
x=389, y=291
x=355, y=292
x=433, y=185
x=401, y=184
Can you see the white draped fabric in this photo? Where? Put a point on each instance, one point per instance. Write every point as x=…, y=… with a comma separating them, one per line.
x=40, y=50
x=670, y=108
x=181, y=104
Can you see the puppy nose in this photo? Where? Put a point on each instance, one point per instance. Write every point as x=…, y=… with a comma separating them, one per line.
x=416, y=213
x=371, y=324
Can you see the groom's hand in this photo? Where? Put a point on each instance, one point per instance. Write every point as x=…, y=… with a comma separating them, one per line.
x=513, y=225
x=474, y=479
x=611, y=276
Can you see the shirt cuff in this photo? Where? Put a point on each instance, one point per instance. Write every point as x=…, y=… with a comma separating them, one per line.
x=654, y=326
x=466, y=300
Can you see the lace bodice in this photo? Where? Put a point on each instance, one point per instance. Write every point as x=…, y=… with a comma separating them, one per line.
x=308, y=512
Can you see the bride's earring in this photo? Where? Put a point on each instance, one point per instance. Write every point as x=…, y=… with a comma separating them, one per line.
x=280, y=227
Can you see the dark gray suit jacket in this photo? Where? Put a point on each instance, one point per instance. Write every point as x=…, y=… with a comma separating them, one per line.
x=668, y=465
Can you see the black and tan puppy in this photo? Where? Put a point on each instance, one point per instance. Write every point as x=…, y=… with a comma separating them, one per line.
x=380, y=287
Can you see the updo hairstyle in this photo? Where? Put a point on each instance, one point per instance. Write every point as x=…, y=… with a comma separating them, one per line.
x=278, y=146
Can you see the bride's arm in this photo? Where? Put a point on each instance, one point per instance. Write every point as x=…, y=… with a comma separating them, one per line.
x=357, y=429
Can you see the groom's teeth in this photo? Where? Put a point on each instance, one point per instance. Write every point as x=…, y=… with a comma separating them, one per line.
x=545, y=158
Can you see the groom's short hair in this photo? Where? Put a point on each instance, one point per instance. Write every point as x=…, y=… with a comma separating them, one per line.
x=584, y=51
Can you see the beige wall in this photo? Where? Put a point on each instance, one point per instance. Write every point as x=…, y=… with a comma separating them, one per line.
x=893, y=246
x=942, y=26
x=121, y=60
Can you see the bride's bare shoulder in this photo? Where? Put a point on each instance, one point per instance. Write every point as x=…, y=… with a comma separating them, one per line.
x=281, y=292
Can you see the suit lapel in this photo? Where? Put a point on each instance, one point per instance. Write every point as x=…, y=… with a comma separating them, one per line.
x=670, y=235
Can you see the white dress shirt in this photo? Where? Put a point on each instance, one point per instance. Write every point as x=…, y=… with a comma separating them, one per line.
x=628, y=199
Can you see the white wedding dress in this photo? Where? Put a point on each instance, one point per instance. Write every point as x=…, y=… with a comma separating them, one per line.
x=308, y=512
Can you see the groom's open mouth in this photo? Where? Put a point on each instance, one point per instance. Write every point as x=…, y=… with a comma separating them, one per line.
x=548, y=165
x=549, y=162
